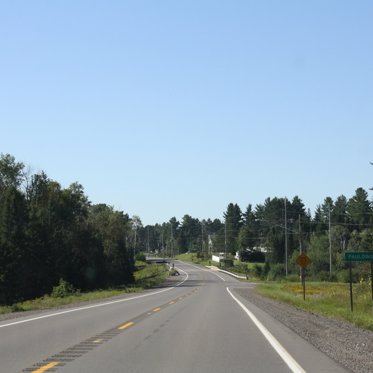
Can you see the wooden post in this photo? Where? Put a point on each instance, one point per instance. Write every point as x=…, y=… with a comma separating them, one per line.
x=304, y=284
x=371, y=277
x=351, y=300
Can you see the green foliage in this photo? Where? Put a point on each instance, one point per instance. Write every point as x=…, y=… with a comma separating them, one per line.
x=11, y=172
x=14, y=251
x=48, y=233
x=146, y=278
x=359, y=208
x=203, y=256
x=293, y=278
x=141, y=257
x=329, y=299
x=322, y=276
x=192, y=258
x=344, y=275
x=233, y=222
x=253, y=256
x=319, y=253
x=240, y=268
x=276, y=272
x=226, y=263
x=173, y=272
x=151, y=275
x=63, y=289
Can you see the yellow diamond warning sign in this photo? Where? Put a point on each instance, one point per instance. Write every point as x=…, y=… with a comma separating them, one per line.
x=303, y=260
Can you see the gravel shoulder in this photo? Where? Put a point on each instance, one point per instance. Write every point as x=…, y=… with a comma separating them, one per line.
x=346, y=344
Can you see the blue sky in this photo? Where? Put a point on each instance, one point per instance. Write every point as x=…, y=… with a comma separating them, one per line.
x=165, y=108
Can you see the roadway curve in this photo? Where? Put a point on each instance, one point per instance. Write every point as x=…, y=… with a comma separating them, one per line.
x=196, y=323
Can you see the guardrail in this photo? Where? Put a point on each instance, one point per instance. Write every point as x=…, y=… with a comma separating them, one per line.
x=228, y=273
x=233, y=274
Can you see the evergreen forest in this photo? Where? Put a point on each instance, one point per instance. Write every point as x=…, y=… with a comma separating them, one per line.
x=49, y=233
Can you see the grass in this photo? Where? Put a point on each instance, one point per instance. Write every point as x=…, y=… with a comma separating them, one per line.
x=328, y=299
x=249, y=265
x=247, y=268
x=192, y=258
x=150, y=275
x=146, y=276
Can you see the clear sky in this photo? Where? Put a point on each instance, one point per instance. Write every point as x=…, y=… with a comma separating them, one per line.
x=165, y=108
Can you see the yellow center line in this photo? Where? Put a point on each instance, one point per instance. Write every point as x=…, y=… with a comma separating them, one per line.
x=126, y=325
x=44, y=368
x=149, y=313
x=156, y=309
x=172, y=302
x=98, y=341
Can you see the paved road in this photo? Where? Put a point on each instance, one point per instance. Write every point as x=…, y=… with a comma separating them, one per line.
x=195, y=324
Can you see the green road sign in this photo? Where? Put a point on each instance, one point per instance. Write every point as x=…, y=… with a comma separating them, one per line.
x=359, y=256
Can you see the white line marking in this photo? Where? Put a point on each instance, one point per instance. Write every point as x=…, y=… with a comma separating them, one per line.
x=288, y=359
x=207, y=270
x=93, y=306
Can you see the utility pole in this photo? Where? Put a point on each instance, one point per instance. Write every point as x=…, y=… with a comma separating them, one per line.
x=148, y=247
x=202, y=237
x=301, y=269
x=225, y=238
x=330, y=245
x=300, y=238
x=134, y=246
x=286, y=240
x=172, y=242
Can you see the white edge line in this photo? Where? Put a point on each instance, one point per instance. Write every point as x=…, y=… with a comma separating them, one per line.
x=207, y=270
x=94, y=305
x=288, y=359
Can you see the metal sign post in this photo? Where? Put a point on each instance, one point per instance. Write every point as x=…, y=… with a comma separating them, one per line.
x=303, y=261
x=303, y=283
x=351, y=300
x=371, y=278
x=359, y=256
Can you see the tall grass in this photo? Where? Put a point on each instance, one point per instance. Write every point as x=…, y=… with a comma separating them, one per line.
x=193, y=258
x=325, y=298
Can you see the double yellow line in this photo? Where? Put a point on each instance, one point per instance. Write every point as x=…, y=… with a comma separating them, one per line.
x=44, y=368
x=127, y=325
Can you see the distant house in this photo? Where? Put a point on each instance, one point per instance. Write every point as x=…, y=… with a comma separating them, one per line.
x=217, y=257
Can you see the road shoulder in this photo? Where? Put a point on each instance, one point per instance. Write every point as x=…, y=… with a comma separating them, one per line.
x=344, y=343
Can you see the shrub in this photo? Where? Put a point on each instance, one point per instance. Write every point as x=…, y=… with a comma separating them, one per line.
x=344, y=275
x=203, y=255
x=276, y=271
x=226, y=263
x=325, y=276
x=293, y=278
x=63, y=289
x=252, y=256
x=141, y=257
x=258, y=270
x=241, y=268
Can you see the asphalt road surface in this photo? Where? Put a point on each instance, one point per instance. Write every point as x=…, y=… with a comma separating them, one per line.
x=196, y=323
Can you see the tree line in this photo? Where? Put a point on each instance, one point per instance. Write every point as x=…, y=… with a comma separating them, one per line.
x=269, y=231
x=48, y=233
